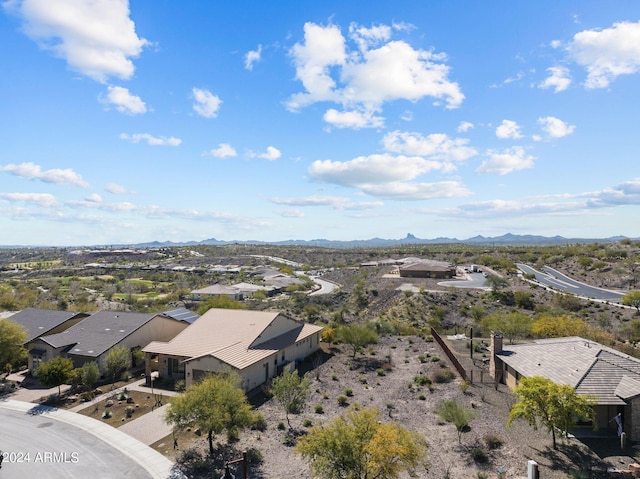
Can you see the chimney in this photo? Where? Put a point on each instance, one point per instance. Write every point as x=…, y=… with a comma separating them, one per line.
x=495, y=365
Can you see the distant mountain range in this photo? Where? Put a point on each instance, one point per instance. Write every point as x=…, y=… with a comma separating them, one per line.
x=504, y=240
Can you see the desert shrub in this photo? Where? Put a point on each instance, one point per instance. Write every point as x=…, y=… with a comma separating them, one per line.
x=180, y=385
x=422, y=358
x=380, y=372
x=193, y=462
x=422, y=397
x=422, y=380
x=122, y=396
x=492, y=442
x=362, y=379
x=435, y=359
x=254, y=456
x=483, y=475
x=318, y=409
x=464, y=386
x=281, y=426
x=348, y=392
x=233, y=434
x=106, y=415
x=307, y=423
x=128, y=412
x=342, y=400
x=444, y=376
x=259, y=423
x=334, y=377
x=479, y=455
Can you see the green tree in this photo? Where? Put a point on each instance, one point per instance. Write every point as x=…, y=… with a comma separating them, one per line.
x=291, y=391
x=359, y=446
x=495, y=282
x=585, y=262
x=632, y=298
x=89, y=374
x=223, y=302
x=556, y=406
x=12, y=338
x=214, y=405
x=514, y=325
x=357, y=336
x=117, y=360
x=55, y=372
x=453, y=411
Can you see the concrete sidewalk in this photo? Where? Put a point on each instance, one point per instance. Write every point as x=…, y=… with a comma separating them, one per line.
x=148, y=428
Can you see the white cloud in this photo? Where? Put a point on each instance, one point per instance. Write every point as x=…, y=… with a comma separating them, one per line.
x=271, y=154
x=607, y=53
x=627, y=193
x=95, y=37
x=435, y=145
x=364, y=79
x=555, y=127
x=151, y=140
x=559, y=79
x=116, y=189
x=465, y=126
x=103, y=205
x=353, y=119
x=123, y=101
x=508, y=130
x=252, y=57
x=95, y=198
x=205, y=103
x=224, y=150
x=44, y=200
x=366, y=38
x=291, y=213
x=57, y=176
x=336, y=202
x=417, y=191
x=374, y=169
x=506, y=161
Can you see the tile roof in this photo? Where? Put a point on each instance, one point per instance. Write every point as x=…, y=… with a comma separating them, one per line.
x=99, y=332
x=38, y=322
x=231, y=336
x=588, y=366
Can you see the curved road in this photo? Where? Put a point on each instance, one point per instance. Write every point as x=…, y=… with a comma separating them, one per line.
x=49, y=444
x=554, y=279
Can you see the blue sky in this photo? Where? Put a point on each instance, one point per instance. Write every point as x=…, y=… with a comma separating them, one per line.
x=252, y=120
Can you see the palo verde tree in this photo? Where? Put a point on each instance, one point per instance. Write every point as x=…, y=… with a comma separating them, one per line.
x=214, y=405
x=357, y=336
x=632, y=298
x=359, y=446
x=291, y=391
x=556, y=406
x=117, y=360
x=514, y=325
x=89, y=374
x=454, y=412
x=12, y=338
x=55, y=372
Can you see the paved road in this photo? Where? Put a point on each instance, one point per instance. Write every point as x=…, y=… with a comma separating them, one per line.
x=558, y=281
x=47, y=443
x=326, y=287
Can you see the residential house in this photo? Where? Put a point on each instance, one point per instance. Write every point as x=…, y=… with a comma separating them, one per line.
x=92, y=338
x=427, y=269
x=216, y=291
x=255, y=344
x=41, y=322
x=591, y=368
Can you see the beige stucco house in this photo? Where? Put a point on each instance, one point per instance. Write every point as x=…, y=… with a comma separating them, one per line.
x=92, y=338
x=427, y=269
x=591, y=368
x=255, y=344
